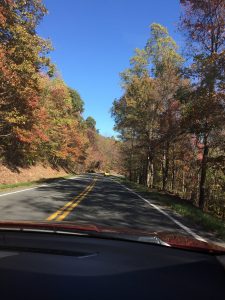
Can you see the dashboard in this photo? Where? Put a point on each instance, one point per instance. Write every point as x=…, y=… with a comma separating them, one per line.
x=61, y=266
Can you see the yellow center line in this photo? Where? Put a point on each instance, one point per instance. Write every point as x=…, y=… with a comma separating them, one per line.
x=70, y=208
x=61, y=213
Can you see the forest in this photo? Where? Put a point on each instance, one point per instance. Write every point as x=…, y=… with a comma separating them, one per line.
x=41, y=117
x=171, y=116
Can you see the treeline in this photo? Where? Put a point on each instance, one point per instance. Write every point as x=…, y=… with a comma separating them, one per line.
x=171, y=117
x=103, y=154
x=40, y=116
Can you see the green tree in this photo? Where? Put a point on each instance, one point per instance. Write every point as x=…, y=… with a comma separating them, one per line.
x=166, y=64
x=78, y=103
x=138, y=67
x=145, y=102
x=90, y=122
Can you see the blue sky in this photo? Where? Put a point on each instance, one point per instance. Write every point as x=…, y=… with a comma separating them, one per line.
x=93, y=41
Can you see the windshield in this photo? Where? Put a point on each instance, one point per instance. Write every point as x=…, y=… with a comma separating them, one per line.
x=112, y=116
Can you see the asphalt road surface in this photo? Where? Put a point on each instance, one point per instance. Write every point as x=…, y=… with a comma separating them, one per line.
x=90, y=199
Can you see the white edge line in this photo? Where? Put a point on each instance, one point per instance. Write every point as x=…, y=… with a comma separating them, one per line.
x=33, y=188
x=185, y=228
x=20, y=191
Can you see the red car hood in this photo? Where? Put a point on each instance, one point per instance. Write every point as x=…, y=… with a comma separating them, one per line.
x=172, y=239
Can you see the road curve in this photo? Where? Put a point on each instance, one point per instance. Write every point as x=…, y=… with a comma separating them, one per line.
x=90, y=199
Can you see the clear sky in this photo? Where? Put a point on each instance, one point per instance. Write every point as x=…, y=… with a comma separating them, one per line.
x=93, y=41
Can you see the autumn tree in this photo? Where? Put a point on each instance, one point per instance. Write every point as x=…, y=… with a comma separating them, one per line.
x=104, y=155
x=65, y=138
x=171, y=116
x=150, y=85
x=127, y=110
x=23, y=57
x=204, y=25
x=166, y=64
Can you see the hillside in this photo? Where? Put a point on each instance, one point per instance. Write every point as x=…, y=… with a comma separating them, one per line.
x=33, y=173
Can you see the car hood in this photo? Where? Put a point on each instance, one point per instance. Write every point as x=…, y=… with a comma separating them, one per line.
x=163, y=238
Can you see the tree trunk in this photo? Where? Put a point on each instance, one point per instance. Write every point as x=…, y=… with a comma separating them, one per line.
x=165, y=166
x=150, y=174
x=201, y=202
x=146, y=171
x=183, y=184
x=131, y=160
x=130, y=167
x=173, y=172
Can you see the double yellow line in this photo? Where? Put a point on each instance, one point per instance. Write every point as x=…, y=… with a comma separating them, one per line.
x=63, y=212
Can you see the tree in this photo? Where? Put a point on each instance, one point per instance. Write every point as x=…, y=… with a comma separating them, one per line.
x=162, y=51
x=170, y=118
x=138, y=67
x=66, y=140
x=131, y=115
x=23, y=57
x=78, y=103
x=90, y=122
x=203, y=22
x=146, y=101
x=104, y=155
x=135, y=115
x=166, y=64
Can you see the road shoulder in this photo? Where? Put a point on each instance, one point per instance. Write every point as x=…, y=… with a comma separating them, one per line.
x=197, y=228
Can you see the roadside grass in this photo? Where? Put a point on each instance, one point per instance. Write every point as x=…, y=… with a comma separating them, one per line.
x=32, y=183
x=15, y=185
x=182, y=207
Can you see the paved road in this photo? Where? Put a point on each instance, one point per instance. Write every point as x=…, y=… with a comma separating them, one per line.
x=88, y=199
